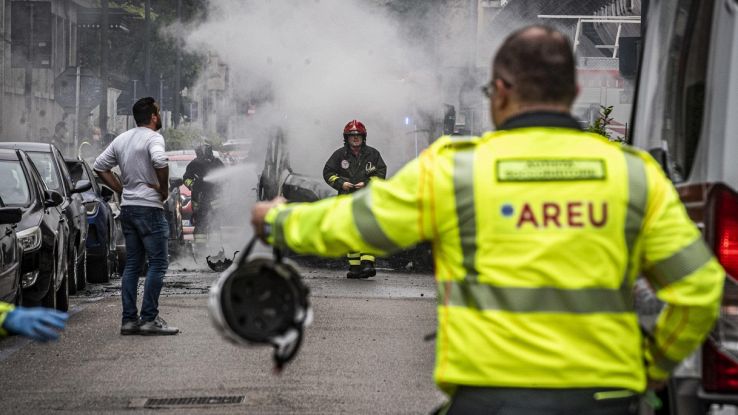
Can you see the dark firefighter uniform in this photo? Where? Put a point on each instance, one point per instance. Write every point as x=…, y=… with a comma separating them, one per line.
x=343, y=166
x=539, y=231
x=204, y=194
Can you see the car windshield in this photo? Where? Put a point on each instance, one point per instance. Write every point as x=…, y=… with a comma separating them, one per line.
x=45, y=166
x=177, y=167
x=14, y=189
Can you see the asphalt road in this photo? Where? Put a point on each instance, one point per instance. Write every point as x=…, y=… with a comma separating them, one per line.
x=365, y=353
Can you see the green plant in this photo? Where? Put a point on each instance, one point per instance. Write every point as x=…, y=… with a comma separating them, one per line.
x=599, y=126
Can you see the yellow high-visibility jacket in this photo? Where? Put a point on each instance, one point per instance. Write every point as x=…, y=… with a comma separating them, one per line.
x=5, y=308
x=538, y=234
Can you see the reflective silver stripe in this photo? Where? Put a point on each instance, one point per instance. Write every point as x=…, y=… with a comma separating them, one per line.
x=366, y=223
x=278, y=227
x=531, y=300
x=637, y=200
x=465, y=212
x=681, y=264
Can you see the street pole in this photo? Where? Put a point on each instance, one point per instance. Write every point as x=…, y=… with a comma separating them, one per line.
x=147, y=46
x=178, y=72
x=161, y=96
x=104, y=27
x=135, y=98
x=76, y=108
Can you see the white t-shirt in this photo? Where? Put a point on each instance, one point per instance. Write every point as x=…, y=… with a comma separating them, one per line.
x=138, y=152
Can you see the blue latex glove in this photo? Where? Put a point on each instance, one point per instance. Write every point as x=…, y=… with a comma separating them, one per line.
x=38, y=323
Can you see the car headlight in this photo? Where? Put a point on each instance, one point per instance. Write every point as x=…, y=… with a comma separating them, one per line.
x=30, y=239
x=91, y=208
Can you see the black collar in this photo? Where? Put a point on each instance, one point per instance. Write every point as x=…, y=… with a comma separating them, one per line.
x=541, y=119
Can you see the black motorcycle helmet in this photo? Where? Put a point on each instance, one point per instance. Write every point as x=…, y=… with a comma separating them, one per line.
x=261, y=300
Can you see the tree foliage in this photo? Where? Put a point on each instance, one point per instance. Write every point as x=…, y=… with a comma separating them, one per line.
x=603, y=121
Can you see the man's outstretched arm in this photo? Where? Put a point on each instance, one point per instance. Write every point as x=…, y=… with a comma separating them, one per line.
x=379, y=219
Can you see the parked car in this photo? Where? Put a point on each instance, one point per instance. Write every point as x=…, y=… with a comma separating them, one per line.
x=42, y=231
x=50, y=164
x=10, y=255
x=102, y=231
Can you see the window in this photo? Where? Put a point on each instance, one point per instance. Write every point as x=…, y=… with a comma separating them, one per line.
x=686, y=109
x=30, y=34
x=14, y=190
x=45, y=165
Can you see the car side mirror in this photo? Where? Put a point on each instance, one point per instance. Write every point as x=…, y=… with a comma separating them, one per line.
x=175, y=182
x=107, y=193
x=661, y=157
x=10, y=215
x=53, y=198
x=82, y=186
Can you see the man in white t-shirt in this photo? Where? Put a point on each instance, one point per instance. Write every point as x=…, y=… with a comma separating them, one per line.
x=139, y=153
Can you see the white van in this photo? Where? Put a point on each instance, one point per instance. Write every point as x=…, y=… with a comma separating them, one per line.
x=686, y=114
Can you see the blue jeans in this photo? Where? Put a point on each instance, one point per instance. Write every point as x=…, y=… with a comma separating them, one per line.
x=147, y=232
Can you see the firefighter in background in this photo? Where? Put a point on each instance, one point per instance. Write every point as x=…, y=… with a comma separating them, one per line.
x=539, y=231
x=349, y=169
x=204, y=193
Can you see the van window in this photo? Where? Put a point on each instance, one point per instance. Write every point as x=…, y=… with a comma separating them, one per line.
x=687, y=108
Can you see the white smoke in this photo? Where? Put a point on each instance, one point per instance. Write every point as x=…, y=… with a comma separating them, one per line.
x=323, y=63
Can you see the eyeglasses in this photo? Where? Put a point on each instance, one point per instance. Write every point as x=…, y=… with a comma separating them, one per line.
x=489, y=89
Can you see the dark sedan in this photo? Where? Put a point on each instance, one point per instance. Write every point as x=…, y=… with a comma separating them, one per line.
x=10, y=255
x=41, y=232
x=50, y=164
x=102, y=232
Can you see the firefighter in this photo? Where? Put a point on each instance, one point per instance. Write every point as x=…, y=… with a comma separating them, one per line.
x=204, y=193
x=349, y=169
x=539, y=230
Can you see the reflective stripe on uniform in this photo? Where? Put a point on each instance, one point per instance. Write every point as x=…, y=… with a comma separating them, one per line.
x=683, y=263
x=333, y=179
x=366, y=222
x=637, y=200
x=482, y=296
x=354, y=258
x=465, y=212
x=367, y=257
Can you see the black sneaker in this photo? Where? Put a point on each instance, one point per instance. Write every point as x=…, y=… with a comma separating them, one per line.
x=130, y=327
x=157, y=327
x=367, y=269
x=354, y=272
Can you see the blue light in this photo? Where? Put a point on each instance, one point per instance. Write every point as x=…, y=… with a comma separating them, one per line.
x=407, y=120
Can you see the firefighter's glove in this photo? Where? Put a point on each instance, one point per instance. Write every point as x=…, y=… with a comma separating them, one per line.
x=38, y=323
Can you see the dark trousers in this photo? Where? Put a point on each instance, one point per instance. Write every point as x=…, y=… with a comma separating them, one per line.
x=521, y=401
x=147, y=233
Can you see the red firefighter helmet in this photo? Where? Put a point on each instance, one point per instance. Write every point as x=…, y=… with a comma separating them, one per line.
x=354, y=127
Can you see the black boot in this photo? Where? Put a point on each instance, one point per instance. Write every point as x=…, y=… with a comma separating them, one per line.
x=354, y=272
x=367, y=269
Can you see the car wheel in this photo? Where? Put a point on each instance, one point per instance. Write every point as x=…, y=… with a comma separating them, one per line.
x=99, y=271
x=72, y=270
x=82, y=272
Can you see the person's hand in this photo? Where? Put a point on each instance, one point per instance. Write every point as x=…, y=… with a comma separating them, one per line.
x=258, y=213
x=38, y=323
x=359, y=185
x=347, y=186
